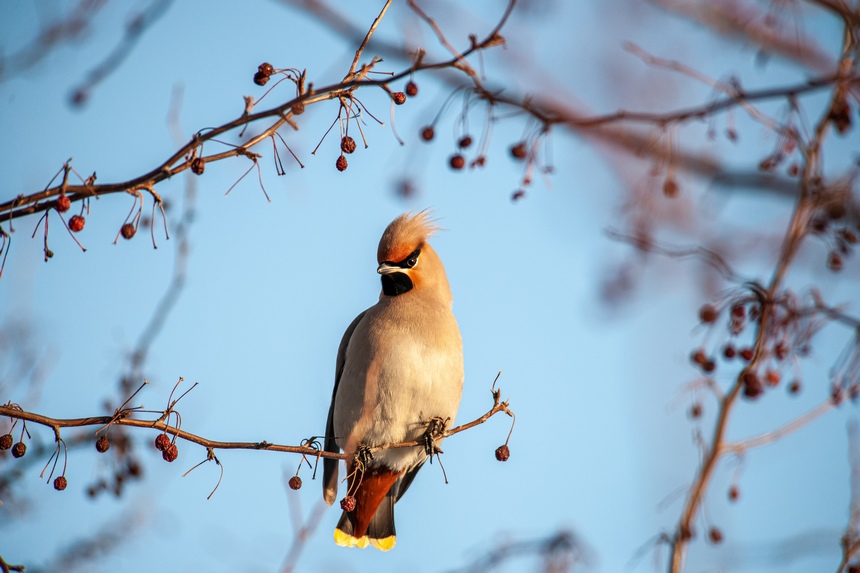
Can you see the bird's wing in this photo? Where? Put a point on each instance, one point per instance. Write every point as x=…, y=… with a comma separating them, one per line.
x=330, y=465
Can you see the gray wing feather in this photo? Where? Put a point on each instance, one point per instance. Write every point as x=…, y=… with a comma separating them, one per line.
x=330, y=466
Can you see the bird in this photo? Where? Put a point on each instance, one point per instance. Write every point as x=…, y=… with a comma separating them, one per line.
x=398, y=378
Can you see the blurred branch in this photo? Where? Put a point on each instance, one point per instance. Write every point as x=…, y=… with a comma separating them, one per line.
x=132, y=33
x=748, y=383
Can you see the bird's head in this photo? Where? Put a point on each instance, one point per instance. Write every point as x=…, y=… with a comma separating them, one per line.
x=406, y=260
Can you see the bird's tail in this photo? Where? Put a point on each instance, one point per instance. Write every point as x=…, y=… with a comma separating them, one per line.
x=380, y=532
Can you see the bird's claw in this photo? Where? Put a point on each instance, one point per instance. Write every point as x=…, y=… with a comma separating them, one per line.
x=435, y=430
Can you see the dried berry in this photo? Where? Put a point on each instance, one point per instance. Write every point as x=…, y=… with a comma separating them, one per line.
x=519, y=150
x=709, y=366
x=295, y=482
x=670, y=187
x=297, y=108
x=411, y=89
x=266, y=68
x=60, y=483
x=198, y=165
x=427, y=133
x=63, y=203
x=348, y=503
x=127, y=231
x=102, y=444
x=739, y=311
x=347, y=144
x=518, y=194
x=834, y=261
x=19, y=449
x=747, y=354
x=699, y=357
x=794, y=387
x=503, y=452
x=752, y=385
x=341, y=163
x=729, y=351
x=399, y=98
x=171, y=453
x=715, y=535
x=696, y=411
x=6, y=441
x=261, y=79
x=734, y=493
x=465, y=141
x=76, y=223
x=162, y=442
x=708, y=313
x=457, y=161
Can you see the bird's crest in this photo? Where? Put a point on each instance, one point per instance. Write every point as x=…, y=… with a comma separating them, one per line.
x=405, y=234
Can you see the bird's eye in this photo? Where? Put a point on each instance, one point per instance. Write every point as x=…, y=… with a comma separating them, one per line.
x=411, y=262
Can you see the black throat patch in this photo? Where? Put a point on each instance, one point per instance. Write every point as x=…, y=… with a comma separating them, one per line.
x=394, y=284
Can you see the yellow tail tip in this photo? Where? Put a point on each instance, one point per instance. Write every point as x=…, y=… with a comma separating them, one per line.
x=384, y=544
x=347, y=540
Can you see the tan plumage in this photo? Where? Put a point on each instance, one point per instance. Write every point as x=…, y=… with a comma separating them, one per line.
x=399, y=365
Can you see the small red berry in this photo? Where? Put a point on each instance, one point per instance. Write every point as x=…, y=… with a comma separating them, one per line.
x=752, y=385
x=739, y=311
x=517, y=195
x=729, y=351
x=6, y=441
x=734, y=493
x=794, y=387
x=261, y=79
x=457, y=161
x=341, y=163
x=519, y=150
x=60, y=483
x=709, y=366
x=399, y=98
x=465, y=141
x=834, y=261
x=427, y=133
x=171, y=453
x=747, y=354
x=127, y=231
x=295, y=482
x=670, y=187
x=699, y=357
x=503, y=452
x=76, y=223
x=63, y=203
x=19, y=449
x=162, y=442
x=348, y=503
x=715, y=535
x=198, y=165
x=102, y=444
x=708, y=314
x=411, y=89
x=773, y=377
x=347, y=144
x=696, y=411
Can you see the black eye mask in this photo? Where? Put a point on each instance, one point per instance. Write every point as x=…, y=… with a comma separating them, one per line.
x=394, y=284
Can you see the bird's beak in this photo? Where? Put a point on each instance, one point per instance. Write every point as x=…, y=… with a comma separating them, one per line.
x=385, y=269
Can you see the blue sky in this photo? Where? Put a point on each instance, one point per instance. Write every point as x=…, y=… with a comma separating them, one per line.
x=602, y=444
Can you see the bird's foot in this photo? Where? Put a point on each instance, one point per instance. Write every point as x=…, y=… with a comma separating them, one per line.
x=435, y=429
x=363, y=455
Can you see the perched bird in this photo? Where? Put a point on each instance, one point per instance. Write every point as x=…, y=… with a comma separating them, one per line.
x=398, y=378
